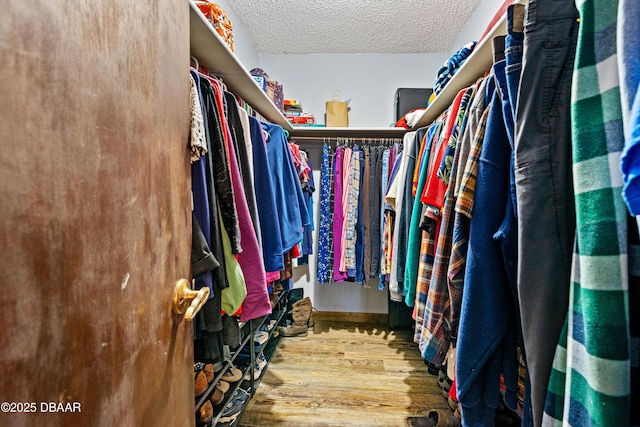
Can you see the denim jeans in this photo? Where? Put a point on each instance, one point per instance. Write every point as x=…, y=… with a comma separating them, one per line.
x=507, y=235
x=544, y=186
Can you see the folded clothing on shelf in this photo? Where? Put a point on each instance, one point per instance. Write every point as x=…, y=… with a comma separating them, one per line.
x=272, y=88
x=453, y=64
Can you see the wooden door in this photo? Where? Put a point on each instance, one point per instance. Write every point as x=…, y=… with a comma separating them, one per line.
x=95, y=213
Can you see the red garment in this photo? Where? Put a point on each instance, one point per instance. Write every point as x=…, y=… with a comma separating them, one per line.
x=452, y=391
x=295, y=252
x=402, y=123
x=434, y=189
x=499, y=14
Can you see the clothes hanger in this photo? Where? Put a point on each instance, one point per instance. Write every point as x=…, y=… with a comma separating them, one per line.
x=195, y=60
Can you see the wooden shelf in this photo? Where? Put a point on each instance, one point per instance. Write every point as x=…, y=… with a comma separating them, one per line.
x=476, y=65
x=212, y=52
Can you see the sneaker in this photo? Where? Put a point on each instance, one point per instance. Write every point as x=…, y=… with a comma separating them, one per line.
x=232, y=375
x=268, y=326
x=232, y=409
x=257, y=370
x=262, y=361
x=260, y=337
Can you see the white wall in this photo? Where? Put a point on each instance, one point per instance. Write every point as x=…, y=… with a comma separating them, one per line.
x=242, y=43
x=477, y=23
x=369, y=80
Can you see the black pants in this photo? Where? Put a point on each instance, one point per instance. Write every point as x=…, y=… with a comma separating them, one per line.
x=544, y=187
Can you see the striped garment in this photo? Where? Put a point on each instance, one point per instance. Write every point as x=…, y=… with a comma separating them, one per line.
x=634, y=321
x=337, y=218
x=427, y=243
x=436, y=330
x=346, y=182
x=589, y=383
x=383, y=217
x=352, y=211
x=459, y=246
x=425, y=267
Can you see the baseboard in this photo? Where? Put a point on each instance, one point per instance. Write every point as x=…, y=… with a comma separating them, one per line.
x=343, y=316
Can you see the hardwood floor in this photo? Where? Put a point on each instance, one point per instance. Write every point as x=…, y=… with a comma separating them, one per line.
x=344, y=374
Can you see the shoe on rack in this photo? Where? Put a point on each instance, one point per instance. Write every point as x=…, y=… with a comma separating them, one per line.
x=205, y=413
x=201, y=383
x=232, y=409
x=277, y=289
x=268, y=326
x=208, y=371
x=217, y=397
x=257, y=371
x=223, y=386
x=261, y=337
x=262, y=361
x=232, y=375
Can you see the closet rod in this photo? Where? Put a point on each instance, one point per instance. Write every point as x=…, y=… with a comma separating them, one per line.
x=355, y=139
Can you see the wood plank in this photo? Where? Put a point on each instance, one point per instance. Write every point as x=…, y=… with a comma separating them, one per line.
x=344, y=374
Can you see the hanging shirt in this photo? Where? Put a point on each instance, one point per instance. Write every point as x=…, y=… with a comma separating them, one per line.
x=415, y=233
x=397, y=192
x=346, y=183
x=272, y=249
x=338, y=217
x=292, y=211
x=219, y=160
x=324, y=233
x=352, y=212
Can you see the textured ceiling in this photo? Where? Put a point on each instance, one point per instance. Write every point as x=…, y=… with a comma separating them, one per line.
x=350, y=26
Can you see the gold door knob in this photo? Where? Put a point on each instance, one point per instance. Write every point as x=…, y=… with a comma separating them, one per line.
x=187, y=301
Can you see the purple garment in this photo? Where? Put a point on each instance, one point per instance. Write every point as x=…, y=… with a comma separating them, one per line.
x=338, y=276
x=256, y=303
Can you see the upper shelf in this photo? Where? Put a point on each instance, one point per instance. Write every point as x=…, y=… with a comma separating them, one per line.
x=212, y=52
x=476, y=65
